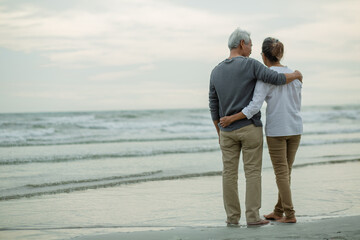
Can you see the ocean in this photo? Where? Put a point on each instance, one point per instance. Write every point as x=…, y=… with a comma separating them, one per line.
x=66, y=173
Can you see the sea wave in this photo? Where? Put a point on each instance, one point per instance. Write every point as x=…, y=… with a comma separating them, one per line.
x=148, y=152
x=144, y=174
x=34, y=190
x=326, y=162
x=316, y=142
x=33, y=142
x=66, y=128
x=48, y=140
x=332, y=131
x=128, y=154
x=74, y=188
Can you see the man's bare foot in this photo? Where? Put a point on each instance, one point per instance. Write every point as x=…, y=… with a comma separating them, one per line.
x=272, y=216
x=260, y=222
x=287, y=220
x=232, y=224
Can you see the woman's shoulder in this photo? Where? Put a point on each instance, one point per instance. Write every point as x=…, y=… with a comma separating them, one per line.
x=285, y=69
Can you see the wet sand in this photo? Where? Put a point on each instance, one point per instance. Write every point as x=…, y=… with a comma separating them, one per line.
x=326, y=198
x=332, y=228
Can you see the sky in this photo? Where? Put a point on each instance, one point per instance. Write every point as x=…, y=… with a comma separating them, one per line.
x=99, y=55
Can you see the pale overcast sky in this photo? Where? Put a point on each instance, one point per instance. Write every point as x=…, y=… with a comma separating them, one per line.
x=80, y=55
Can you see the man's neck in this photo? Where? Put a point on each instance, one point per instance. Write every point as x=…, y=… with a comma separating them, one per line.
x=275, y=65
x=235, y=53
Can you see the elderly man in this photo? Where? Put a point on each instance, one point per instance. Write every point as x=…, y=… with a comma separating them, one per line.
x=232, y=84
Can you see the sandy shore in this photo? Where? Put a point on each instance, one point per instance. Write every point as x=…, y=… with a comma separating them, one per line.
x=332, y=228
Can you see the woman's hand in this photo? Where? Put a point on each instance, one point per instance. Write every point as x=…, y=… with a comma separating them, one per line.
x=226, y=121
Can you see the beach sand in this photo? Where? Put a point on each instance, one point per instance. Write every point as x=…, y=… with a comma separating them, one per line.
x=332, y=228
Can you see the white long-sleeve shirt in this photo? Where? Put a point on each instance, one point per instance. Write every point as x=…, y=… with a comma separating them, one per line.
x=283, y=106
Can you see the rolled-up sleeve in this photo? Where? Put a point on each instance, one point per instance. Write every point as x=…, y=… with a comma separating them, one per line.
x=213, y=103
x=268, y=75
x=260, y=93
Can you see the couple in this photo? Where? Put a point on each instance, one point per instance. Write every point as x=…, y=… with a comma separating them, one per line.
x=238, y=87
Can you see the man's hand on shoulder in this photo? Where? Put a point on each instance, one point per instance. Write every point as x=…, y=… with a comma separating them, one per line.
x=299, y=75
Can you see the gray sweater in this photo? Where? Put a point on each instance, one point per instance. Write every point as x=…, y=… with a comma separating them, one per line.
x=232, y=84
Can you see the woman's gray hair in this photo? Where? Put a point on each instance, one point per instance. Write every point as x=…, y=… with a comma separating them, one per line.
x=236, y=37
x=273, y=49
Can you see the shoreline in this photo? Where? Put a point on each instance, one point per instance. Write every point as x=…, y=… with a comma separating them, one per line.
x=328, y=228
x=327, y=207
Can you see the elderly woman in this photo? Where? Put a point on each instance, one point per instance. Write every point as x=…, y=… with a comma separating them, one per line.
x=283, y=126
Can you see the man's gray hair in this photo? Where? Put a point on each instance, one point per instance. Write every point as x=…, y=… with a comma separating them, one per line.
x=236, y=37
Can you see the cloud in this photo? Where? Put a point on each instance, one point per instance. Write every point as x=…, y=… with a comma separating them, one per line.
x=125, y=74
x=331, y=35
x=126, y=32
x=119, y=33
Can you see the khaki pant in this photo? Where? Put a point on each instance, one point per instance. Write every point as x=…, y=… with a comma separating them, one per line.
x=249, y=140
x=282, y=153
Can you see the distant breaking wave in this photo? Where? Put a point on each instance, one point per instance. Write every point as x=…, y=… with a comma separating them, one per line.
x=35, y=190
x=62, y=128
x=325, y=162
x=74, y=142
x=329, y=141
x=145, y=153
x=7, y=143
x=332, y=131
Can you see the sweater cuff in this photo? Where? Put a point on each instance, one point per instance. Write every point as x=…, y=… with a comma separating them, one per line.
x=215, y=116
x=283, y=78
x=247, y=113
